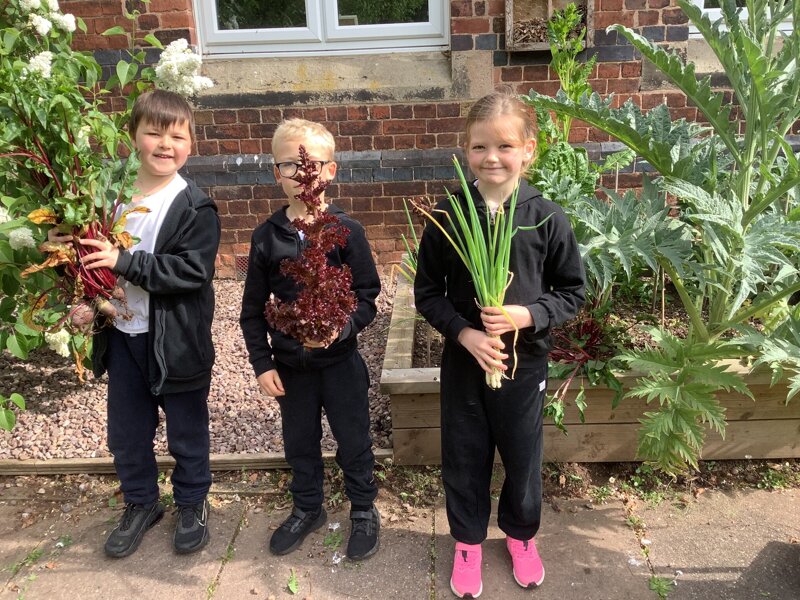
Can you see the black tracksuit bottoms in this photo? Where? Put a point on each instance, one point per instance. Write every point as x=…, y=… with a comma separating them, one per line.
x=342, y=390
x=132, y=422
x=477, y=419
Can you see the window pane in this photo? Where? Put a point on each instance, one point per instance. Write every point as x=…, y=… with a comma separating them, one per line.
x=260, y=14
x=379, y=12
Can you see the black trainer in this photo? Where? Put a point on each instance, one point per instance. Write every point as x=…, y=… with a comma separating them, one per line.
x=127, y=535
x=364, y=533
x=295, y=528
x=191, y=531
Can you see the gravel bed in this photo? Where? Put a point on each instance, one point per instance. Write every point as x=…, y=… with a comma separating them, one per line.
x=66, y=419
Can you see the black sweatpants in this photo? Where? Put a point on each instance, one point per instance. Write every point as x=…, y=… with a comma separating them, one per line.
x=342, y=389
x=477, y=419
x=132, y=422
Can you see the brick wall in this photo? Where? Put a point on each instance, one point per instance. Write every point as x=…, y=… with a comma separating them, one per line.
x=388, y=151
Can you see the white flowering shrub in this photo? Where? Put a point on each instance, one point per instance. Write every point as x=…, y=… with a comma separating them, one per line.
x=178, y=70
x=65, y=161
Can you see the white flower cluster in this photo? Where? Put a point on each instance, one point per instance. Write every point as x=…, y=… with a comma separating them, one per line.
x=177, y=70
x=42, y=63
x=4, y=216
x=43, y=25
x=58, y=342
x=20, y=238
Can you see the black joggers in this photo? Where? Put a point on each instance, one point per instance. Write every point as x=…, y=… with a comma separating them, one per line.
x=132, y=422
x=342, y=390
x=477, y=419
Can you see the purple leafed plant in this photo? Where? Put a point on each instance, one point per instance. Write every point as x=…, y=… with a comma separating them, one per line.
x=325, y=301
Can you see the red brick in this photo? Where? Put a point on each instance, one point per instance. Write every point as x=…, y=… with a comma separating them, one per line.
x=598, y=136
x=360, y=190
x=355, y=113
x=578, y=135
x=404, y=188
x=404, y=142
x=536, y=73
x=676, y=99
x=316, y=114
x=361, y=142
x=207, y=148
x=85, y=8
x=224, y=116
x=380, y=111
x=270, y=115
x=453, y=124
x=361, y=204
x=147, y=22
x=104, y=23
x=612, y=4
x=336, y=113
x=229, y=147
x=248, y=115
x=332, y=126
x=496, y=8
x=424, y=111
x=203, y=117
x=234, y=192
x=549, y=88
x=174, y=20
x=261, y=131
x=360, y=128
x=250, y=146
x=402, y=111
x=448, y=110
x=170, y=5
x=426, y=141
x=608, y=70
x=480, y=8
x=658, y=3
x=652, y=100
x=617, y=86
x=383, y=142
x=648, y=17
x=447, y=140
x=227, y=132
x=238, y=221
x=470, y=25
x=292, y=113
x=674, y=16
x=344, y=144
x=632, y=69
x=404, y=126
x=603, y=19
x=511, y=74
x=461, y=8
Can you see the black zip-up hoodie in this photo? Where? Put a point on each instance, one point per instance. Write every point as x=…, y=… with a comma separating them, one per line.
x=178, y=275
x=275, y=240
x=548, y=276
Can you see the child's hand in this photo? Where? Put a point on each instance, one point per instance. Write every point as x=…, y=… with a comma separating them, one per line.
x=271, y=384
x=496, y=323
x=57, y=237
x=106, y=255
x=486, y=349
x=313, y=344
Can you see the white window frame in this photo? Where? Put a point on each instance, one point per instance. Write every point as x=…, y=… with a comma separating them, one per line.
x=715, y=14
x=322, y=34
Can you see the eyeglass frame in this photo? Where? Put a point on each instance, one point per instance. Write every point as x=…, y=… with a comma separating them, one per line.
x=297, y=166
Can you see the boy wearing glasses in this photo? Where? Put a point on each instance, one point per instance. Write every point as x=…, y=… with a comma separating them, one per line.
x=306, y=377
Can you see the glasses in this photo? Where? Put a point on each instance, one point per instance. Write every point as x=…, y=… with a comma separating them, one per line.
x=290, y=169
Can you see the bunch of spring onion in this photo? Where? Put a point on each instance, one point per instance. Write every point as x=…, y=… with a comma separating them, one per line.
x=485, y=254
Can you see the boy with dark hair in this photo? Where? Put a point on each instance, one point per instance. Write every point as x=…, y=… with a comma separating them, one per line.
x=159, y=353
x=307, y=376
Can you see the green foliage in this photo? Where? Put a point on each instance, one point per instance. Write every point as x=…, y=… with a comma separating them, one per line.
x=661, y=586
x=333, y=540
x=733, y=253
x=292, y=583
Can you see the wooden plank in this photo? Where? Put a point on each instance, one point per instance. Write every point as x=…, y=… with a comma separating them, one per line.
x=219, y=462
x=617, y=443
x=400, y=339
x=422, y=410
x=410, y=381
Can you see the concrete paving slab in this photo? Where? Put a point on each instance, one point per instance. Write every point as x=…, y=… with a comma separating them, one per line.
x=587, y=553
x=400, y=569
x=80, y=565
x=729, y=546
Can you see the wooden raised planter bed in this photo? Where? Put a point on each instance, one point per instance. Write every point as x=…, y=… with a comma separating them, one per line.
x=766, y=428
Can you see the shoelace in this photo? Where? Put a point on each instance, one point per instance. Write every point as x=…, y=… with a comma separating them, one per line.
x=189, y=514
x=522, y=549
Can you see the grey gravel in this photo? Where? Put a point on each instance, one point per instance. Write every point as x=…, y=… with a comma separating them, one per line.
x=66, y=419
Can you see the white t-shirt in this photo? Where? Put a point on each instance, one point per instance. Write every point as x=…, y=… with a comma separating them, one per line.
x=144, y=226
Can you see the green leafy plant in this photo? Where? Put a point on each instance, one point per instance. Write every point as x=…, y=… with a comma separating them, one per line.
x=333, y=540
x=736, y=254
x=292, y=584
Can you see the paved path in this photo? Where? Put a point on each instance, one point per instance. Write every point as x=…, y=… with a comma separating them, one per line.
x=743, y=545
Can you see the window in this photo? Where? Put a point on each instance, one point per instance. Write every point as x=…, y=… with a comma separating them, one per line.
x=230, y=28
x=712, y=9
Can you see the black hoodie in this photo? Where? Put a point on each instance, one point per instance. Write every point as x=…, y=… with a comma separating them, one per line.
x=548, y=275
x=178, y=274
x=275, y=240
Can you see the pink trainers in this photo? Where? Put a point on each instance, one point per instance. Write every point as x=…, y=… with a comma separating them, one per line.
x=466, y=579
x=528, y=568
